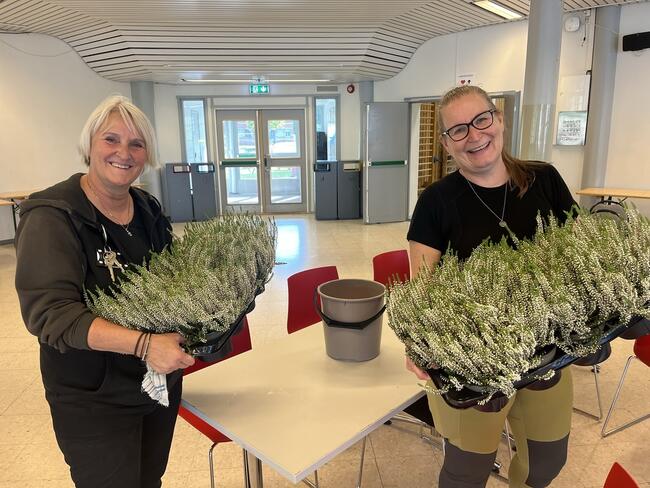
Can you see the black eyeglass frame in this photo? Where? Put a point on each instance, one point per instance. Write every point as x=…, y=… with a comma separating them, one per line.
x=491, y=112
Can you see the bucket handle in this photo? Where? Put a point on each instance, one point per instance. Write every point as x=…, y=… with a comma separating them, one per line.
x=344, y=325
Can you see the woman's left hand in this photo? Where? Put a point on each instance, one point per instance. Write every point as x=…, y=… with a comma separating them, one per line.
x=165, y=353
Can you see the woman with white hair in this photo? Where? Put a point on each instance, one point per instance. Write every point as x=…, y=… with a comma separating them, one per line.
x=78, y=235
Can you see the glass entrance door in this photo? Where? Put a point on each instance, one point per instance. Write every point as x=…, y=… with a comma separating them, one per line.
x=284, y=161
x=239, y=160
x=262, y=160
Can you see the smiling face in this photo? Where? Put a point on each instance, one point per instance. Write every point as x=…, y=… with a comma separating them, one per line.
x=478, y=155
x=118, y=154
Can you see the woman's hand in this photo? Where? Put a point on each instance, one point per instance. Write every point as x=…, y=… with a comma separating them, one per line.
x=422, y=375
x=165, y=353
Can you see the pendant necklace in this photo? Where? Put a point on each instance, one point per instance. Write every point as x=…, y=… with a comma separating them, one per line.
x=110, y=214
x=502, y=222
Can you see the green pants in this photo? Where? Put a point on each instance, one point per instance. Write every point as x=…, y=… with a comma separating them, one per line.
x=540, y=423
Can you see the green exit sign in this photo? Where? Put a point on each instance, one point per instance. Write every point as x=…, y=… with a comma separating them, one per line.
x=259, y=89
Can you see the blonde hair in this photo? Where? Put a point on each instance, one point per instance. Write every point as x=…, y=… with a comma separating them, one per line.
x=521, y=172
x=132, y=116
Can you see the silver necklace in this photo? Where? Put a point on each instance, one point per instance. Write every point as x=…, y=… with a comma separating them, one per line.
x=502, y=222
x=110, y=214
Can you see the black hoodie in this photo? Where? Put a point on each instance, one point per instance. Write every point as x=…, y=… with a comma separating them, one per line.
x=56, y=250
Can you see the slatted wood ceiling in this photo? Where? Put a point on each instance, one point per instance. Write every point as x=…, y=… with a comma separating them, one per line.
x=167, y=40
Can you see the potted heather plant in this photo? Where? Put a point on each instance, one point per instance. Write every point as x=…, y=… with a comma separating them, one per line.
x=200, y=287
x=488, y=321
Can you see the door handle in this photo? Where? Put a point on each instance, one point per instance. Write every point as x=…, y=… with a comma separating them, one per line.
x=266, y=162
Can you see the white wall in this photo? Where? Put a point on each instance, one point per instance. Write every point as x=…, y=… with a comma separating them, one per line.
x=628, y=160
x=46, y=94
x=496, y=56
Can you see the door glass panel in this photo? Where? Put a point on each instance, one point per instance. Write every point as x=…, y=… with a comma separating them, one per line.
x=239, y=139
x=285, y=184
x=194, y=127
x=284, y=138
x=241, y=185
x=326, y=129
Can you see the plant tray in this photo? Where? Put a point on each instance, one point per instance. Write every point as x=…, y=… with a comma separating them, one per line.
x=218, y=344
x=467, y=398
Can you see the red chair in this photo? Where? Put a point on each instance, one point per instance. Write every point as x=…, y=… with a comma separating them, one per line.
x=240, y=343
x=619, y=478
x=642, y=353
x=301, y=287
x=390, y=265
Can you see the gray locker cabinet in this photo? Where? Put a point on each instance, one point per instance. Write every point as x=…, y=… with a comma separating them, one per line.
x=177, y=196
x=326, y=190
x=385, y=186
x=349, y=190
x=204, y=191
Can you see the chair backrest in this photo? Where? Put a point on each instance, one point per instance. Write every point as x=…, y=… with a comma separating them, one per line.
x=301, y=286
x=642, y=349
x=389, y=265
x=241, y=342
x=619, y=478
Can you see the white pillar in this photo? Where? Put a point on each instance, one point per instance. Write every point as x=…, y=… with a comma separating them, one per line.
x=540, y=83
x=601, y=98
x=142, y=95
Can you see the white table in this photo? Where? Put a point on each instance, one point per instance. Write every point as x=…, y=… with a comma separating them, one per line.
x=291, y=406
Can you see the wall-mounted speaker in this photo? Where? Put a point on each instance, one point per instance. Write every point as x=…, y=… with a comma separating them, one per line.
x=636, y=42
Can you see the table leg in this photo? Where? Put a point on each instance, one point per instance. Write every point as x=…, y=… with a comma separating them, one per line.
x=252, y=471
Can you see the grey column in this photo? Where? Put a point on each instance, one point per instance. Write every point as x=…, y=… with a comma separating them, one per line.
x=540, y=83
x=142, y=94
x=601, y=98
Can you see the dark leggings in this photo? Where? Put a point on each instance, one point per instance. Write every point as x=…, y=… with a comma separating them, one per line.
x=111, y=450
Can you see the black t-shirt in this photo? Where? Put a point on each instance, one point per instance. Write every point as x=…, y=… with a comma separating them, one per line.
x=449, y=215
x=137, y=246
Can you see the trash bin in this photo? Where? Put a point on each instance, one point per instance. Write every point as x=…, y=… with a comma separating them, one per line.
x=204, y=191
x=349, y=190
x=352, y=312
x=326, y=190
x=176, y=192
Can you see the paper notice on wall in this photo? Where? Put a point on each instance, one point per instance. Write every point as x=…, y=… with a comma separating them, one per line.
x=571, y=128
x=466, y=79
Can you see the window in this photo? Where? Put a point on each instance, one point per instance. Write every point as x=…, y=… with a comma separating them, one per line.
x=239, y=139
x=196, y=148
x=326, y=129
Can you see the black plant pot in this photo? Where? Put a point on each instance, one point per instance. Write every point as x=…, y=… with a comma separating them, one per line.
x=218, y=344
x=466, y=398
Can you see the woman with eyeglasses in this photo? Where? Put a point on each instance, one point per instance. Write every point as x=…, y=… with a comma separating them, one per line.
x=490, y=193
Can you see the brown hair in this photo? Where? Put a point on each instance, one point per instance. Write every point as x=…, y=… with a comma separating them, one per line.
x=521, y=172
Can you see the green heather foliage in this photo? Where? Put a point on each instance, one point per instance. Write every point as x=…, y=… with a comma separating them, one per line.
x=483, y=321
x=201, y=284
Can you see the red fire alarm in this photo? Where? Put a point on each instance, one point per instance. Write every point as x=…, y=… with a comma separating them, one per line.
x=350, y=88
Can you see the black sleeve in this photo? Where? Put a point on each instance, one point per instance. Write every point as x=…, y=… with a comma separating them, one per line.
x=50, y=272
x=561, y=197
x=426, y=223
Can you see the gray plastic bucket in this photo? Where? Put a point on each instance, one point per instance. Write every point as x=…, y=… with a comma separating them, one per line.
x=352, y=317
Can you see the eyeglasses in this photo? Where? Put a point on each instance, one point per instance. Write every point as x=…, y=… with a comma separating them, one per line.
x=481, y=122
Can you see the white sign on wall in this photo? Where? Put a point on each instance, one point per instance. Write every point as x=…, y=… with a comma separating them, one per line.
x=466, y=79
x=571, y=128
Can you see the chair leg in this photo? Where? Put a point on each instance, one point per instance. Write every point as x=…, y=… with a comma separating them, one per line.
x=407, y=419
x=604, y=432
x=211, y=461
x=508, y=440
x=596, y=370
